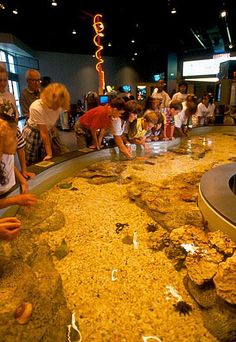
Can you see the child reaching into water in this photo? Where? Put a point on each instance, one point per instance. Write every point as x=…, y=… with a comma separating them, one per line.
x=169, y=120
x=139, y=128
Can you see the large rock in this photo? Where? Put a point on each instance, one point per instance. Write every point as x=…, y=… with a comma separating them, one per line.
x=225, y=280
x=205, y=296
x=220, y=320
x=39, y=284
x=203, y=265
x=221, y=242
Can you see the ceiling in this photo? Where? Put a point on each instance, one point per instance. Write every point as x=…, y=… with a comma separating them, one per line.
x=155, y=30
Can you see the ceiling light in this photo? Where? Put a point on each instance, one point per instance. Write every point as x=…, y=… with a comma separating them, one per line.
x=173, y=11
x=198, y=38
x=2, y=6
x=54, y=3
x=133, y=41
x=231, y=46
x=74, y=32
x=132, y=58
x=109, y=44
x=136, y=54
x=223, y=14
x=15, y=11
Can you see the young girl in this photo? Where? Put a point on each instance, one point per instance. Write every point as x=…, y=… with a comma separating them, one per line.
x=119, y=126
x=183, y=118
x=7, y=96
x=9, y=227
x=139, y=128
x=169, y=120
x=40, y=126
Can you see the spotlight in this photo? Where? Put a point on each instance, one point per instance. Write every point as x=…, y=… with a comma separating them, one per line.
x=223, y=14
x=15, y=11
x=54, y=3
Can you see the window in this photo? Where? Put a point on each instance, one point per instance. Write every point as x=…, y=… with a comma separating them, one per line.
x=13, y=81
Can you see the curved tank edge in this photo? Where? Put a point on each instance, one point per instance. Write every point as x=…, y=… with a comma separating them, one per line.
x=215, y=220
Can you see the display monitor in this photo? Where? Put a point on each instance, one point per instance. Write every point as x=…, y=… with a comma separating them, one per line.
x=141, y=93
x=125, y=88
x=103, y=99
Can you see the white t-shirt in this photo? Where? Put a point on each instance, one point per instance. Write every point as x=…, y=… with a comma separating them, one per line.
x=162, y=96
x=179, y=97
x=180, y=118
x=42, y=115
x=118, y=126
x=8, y=161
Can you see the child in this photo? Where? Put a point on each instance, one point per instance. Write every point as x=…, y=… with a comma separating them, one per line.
x=91, y=126
x=139, y=128
x=119, y=126
x=40, y=126
x=183, y=118
x=6, y=95
x=169, y=121
x=9, y=227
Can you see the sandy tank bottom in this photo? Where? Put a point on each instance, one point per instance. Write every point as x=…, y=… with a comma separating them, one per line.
x=118, y=292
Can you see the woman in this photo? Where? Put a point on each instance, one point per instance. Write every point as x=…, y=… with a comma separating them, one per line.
x=40, y=126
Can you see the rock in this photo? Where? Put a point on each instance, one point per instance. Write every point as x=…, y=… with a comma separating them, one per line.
x=62, y=251
x=202, y=265
x=205, y=296
x=222, y=242
x=225, y=281
x=189, y=234
x=23, y=313
x=157, y=240
x=220, y=320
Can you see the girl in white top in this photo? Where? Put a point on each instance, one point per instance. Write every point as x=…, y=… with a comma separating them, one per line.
x=41, y=123
x=205, y=110
x=119, y=126
x=183, y=118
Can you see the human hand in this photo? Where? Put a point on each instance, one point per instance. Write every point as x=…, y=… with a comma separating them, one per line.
x=28, y=175
x=25, y=199
x=24, y=187
x=9, y=228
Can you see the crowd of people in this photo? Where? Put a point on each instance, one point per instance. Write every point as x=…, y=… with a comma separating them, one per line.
x=123, y=118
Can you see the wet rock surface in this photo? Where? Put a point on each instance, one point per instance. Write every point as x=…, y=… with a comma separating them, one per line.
x=33, y=305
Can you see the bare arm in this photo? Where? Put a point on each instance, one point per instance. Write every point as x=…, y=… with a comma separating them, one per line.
x=46, y=141
x=100, y=136
x=22, y=181
x=120, y=143
x=21, y=157
x=22, y=199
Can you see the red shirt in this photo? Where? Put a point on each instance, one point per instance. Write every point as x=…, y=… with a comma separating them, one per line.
x=96, y=118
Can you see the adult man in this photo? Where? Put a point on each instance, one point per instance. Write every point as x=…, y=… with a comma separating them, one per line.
x=160, y=93
x=31, y=92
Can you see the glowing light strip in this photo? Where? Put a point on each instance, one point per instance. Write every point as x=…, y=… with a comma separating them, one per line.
x=99, y=27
